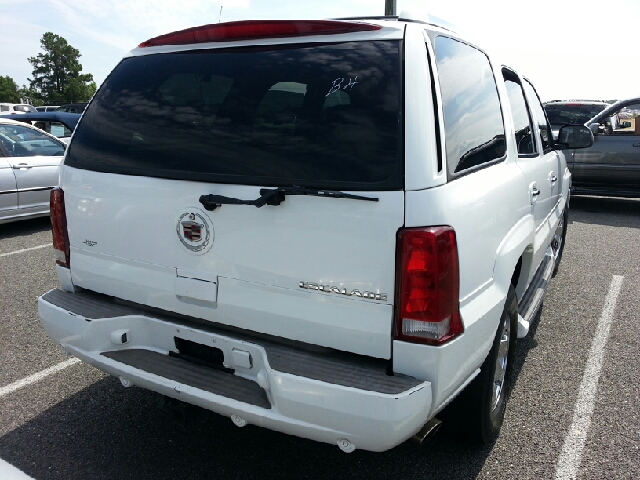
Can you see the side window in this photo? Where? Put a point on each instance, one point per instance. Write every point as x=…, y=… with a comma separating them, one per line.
x=58, y=130
x=540, y=117
x=625, y=121
x=26, y=142
x=474, y=129
x=521, y=117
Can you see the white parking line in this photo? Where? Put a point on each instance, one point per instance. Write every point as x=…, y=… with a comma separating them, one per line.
x=36, y=377
x=571, y=456
x=9, y=472
x=24, y=250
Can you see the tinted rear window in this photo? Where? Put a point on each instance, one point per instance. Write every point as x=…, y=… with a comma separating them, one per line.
x=319, y=116
x=574, y=114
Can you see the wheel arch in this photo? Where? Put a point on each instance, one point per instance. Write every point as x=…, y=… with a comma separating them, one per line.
x=514, y=257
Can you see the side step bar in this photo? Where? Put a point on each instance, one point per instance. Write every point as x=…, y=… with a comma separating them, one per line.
x=532, y=298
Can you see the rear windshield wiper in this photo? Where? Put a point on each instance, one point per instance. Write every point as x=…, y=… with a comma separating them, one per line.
x=276, y=196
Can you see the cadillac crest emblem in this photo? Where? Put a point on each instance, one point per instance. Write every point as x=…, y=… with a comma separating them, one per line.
x=195, y=231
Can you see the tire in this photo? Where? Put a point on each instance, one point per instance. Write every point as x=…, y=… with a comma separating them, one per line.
x=557, y=244
x=489, y=391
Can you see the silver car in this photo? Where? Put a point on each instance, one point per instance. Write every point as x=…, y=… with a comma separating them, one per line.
x=29, y=163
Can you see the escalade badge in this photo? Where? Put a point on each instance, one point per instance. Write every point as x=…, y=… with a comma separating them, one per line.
x=343, y=291
x=194, y=230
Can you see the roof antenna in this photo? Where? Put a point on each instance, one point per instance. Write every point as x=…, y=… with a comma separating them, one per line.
x=390, y=7
x=220, y=16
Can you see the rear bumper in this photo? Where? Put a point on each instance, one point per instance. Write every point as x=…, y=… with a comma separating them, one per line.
x=324, y=396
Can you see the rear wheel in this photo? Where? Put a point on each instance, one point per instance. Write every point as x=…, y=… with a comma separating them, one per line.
x=489, y=391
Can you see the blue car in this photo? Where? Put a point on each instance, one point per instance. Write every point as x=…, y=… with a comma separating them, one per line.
x=58, y=124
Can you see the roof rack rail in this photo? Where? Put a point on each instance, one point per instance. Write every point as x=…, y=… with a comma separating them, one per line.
x=400, y=18
x=375, y=17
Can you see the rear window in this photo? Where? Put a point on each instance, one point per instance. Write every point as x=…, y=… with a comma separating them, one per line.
x=24, y=108
x=572, y=114
x=323, y=116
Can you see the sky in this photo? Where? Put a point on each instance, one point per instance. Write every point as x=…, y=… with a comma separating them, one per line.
x=569, y=49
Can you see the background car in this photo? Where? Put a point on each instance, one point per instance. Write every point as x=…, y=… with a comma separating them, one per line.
x=47, y=108
x=572, y=112
x=72, y=108
x=58, y=124
x=611, y=166
x=29, y=163
x=13, y=108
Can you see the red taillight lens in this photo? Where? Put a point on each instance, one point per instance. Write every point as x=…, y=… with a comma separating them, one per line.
x=428, y=286
x=59, y=228
x=253, y=29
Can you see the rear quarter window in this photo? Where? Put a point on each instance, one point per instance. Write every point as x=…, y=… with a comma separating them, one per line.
x=540, y=117
x=324, y=116
x=473, y=124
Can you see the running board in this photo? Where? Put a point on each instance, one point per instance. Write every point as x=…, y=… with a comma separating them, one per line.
x=532, y=298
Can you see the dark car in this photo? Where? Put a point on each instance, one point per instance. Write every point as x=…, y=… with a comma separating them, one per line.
x=611, y=166
x=571, y=112
x=58, y=124
x=72, y=108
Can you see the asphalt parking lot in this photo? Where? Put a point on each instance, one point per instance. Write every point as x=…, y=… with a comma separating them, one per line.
x=574, y=411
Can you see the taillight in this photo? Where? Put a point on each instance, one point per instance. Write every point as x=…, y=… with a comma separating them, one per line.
x=428, y=286
x=254, y=29
x=59, y=228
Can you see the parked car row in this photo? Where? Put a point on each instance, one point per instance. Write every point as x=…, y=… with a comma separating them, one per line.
x=20, y=108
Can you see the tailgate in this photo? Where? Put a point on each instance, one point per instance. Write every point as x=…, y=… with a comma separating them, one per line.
x=314, y=269
x=167, y=128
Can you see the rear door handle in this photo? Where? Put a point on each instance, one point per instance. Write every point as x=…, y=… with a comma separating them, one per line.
x=20, y=166
x=636, y=144
x=533, y=193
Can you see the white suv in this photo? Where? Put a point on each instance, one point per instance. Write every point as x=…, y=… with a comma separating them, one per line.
x=326, y=228
x=16, y=108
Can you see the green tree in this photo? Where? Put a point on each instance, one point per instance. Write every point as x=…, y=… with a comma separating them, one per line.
x=57, y=76
x=9, y=90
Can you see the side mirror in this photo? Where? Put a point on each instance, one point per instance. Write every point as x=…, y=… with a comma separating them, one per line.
x=575, y=136
x=625, y=124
